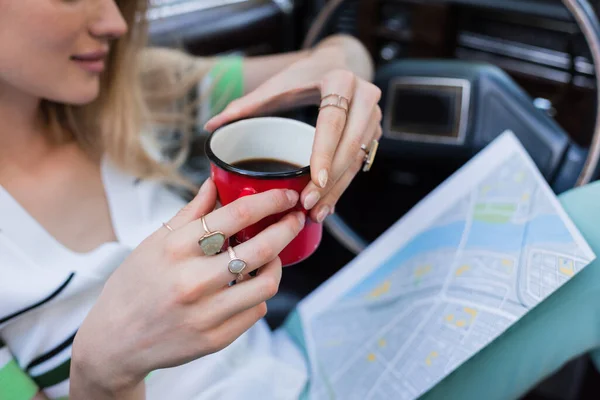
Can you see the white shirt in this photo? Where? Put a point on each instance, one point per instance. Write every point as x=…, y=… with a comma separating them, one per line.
x=46, y=290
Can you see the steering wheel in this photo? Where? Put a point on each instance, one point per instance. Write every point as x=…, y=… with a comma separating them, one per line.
x=562, y=163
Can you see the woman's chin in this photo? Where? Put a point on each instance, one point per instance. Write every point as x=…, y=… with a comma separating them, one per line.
x=79, y=96
x=87, y=96
x=85, y=100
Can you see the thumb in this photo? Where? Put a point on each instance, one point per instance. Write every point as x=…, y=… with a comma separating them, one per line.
x=265, y=100
x=202, y=204
x=237, y=109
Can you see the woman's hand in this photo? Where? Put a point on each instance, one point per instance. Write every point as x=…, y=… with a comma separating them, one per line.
x=168, y=304
x=337, y=154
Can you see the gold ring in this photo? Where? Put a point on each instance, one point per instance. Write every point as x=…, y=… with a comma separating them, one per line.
x=168, y=226
x=335, y=100
x=371, y=152
x=211, y=242
x=236, y=265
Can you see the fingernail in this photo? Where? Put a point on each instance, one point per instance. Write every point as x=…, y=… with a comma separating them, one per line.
x=311, y=200
x=323, y=177
x=332, y=210
x=292, y=196
x=301, y=219
x=204, y=187
x=324, y=213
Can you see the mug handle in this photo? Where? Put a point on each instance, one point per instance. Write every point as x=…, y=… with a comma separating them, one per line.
x=248, y=191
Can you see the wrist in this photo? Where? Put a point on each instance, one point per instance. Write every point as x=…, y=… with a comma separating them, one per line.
x=97, y=376
x=345, y=52
x=330, y=55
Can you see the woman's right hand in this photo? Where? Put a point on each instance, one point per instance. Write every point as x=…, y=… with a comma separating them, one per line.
x=169, y=304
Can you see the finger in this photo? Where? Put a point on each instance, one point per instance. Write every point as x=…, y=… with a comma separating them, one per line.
x=226, y=333
x=267, y=99
x=246, y=294
x=232, y=112
x=330, y=123
x=326, y=206
x=195, y=279
x=312, y=194
x=262, y=249
x=244, y=106
x=232, y=218
x=364, y=104
x=202, y=204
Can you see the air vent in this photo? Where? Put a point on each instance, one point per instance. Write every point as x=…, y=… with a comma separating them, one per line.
x=534, y=46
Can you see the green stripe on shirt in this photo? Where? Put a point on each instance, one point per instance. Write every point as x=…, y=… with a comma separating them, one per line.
x=15, y=384
x=54, y=376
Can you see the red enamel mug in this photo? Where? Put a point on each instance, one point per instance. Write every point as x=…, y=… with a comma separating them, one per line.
x=272, y=138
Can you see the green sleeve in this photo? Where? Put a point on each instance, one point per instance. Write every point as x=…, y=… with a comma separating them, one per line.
x=15, y=384
x=225, y=82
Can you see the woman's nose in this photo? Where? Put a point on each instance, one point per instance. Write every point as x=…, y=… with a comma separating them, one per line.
x=108, y=22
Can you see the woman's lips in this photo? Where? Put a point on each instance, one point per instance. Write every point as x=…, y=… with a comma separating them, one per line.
x=91, y=62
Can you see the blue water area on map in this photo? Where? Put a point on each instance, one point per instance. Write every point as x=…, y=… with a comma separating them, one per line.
x=511, y=237
x=445, y=236
x=483, y=235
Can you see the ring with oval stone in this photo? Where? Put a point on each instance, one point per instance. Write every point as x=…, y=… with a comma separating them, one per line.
x=236, y=265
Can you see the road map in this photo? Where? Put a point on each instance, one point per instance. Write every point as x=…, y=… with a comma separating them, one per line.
x=453, y=274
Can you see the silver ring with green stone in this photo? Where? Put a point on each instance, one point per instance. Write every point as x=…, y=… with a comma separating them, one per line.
x=211, y=242
x=236, y=265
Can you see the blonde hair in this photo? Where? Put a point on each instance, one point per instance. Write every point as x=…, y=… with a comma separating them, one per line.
x=142, y=90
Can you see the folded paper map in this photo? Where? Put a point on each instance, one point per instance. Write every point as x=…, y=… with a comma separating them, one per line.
x=472, y=258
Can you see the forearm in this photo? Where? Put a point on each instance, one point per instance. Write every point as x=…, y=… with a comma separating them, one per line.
x=163, y=68
x=334, y=52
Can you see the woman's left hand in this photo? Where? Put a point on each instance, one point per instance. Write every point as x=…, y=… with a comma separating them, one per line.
x=337, y=155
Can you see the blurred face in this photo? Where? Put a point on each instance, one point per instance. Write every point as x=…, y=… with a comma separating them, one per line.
x=57, y=49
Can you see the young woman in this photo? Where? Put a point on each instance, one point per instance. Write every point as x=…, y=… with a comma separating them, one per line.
x=95, y=293
x=98, y=298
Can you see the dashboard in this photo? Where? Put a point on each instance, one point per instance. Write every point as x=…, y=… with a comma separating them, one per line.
x=535, y=41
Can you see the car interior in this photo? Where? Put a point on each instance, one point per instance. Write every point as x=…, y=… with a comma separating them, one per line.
x=454, y=75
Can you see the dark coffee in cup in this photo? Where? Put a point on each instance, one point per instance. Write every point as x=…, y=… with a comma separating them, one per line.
x=266, y=165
